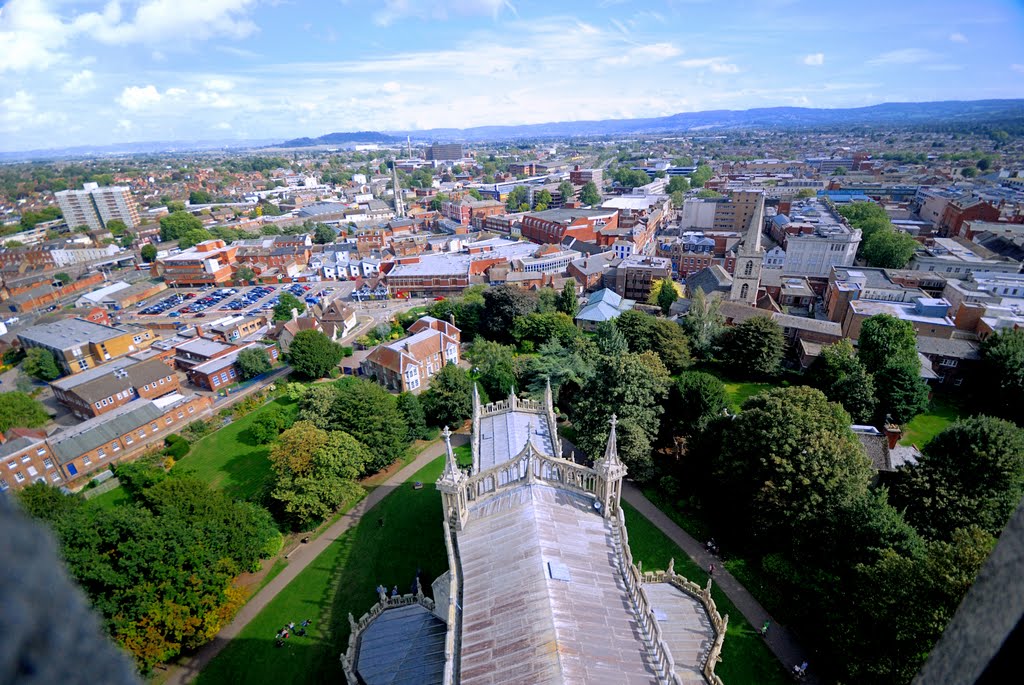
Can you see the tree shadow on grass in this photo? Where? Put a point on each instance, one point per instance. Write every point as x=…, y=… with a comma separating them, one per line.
x=247, y=475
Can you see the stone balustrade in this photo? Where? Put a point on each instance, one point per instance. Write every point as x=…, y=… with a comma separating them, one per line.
x=453, y=636
x=531, y=466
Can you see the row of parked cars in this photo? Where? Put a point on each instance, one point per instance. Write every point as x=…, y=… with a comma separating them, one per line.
x=205, y=302
x=250, y=297
x=163, y=305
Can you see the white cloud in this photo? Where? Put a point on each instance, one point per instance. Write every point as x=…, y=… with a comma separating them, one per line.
x=904, y=56
x=125, y=125
x=218, y=84
x=815, y=59
x=139, y=97
x=958, y=37
x=81, y=83
x=222, y=126
x=642, y=54
x=396, y=10
x=1019, y=68
x=717, y=65
x=33, y=34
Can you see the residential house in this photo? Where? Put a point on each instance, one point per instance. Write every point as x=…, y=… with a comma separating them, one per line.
x=408, y=364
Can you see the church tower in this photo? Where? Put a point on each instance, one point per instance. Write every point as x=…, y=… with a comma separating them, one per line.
x=746, y=278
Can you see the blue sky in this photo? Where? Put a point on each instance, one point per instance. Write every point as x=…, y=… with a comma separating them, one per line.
x=76, y=72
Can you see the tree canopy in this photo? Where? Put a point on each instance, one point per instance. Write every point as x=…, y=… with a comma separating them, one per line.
x=449, y=399
x=839, y=374
x=887, y=341
x=19, y=410
x=753, y=348
x=502, y=305
x=589, y=194
x=313, y=355
x=646, y=333
x=493, y=365
x=176, y=224
x=148, y=252
x=285, y=304
x=40, y=363
x=253, y=362
x=889, y=249
x=1001, y=376
x=703, y=323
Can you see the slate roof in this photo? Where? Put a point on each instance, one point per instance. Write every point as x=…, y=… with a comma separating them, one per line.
x=503, y=436
x=98, y=431
x=604, y=305
x=134, y=375
x=953, y=348
x=402, y=646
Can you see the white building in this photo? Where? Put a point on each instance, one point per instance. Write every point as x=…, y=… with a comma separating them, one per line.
x=698, y=214
x=950, y=256
x=95, y=207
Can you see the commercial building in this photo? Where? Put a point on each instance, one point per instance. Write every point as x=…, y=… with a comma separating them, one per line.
x=208, y=263
x=635, y=275
x=408, y=364
x=579, y=176
x=448, y=273
x=444, y=152
x=815, y=239
x=105, y=388
x=554, y=225
x=959, y=257
x=80, y=345
x=928, y=316
x=95, y=207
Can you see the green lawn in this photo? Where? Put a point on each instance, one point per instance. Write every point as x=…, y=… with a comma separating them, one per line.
x=923, y=427
x=746, y=660
x=112, y=498
x=230, y=460
x=739, y=392
x=341, y=580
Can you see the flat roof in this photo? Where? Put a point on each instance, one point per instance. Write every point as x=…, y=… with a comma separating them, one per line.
x=69, y=333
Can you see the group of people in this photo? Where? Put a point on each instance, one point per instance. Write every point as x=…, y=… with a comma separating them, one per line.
x=800, y=671
x=712, y=547
x=285, y=632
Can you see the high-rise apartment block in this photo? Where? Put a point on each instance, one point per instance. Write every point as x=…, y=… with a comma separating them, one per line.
x=446, y=151
x=95, y=207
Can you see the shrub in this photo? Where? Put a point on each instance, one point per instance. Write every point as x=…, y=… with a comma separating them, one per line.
x=177, y=446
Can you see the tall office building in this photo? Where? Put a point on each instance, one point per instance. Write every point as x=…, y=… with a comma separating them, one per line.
x=447, y=151
x=94, y=206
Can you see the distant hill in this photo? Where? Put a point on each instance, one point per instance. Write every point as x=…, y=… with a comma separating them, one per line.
x=897, y=114
x=341, y=138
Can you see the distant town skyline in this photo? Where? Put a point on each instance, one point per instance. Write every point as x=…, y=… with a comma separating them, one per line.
x=95, y=73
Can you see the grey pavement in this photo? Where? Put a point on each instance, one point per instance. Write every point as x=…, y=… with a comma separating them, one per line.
x=780, y=640
x=301, y=557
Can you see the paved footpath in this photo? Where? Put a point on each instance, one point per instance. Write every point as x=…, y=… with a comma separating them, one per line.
x=300, y=558
x=780, y=640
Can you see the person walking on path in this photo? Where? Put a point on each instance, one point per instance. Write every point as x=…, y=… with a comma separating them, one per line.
x=765, y=627
x=711, y=570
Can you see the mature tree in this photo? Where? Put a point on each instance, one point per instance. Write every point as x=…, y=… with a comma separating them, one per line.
x=438, y=201
x=701, y=176
x=885, y=637
x=533, y=330
x=542, y=200
x=245, y=273
x=148, y=252
x=40, y=363
x=192, y=236
x=268, y=424
x=753, y=348
x=285, y=304
x=902, y=393
x=547, y=301
x=969, y=172
x=665, y=338
x=323, y=234
x=677, y=184
x=199, y=197
x=449, y=399
x=467, y=310
x=889, y=249
x=320, y=475
x=789, y=460
x=493, y=365
x=18, y=410
x=415, y=419
x=116, y=227
x=315, y=403
x=567, y=191
x=1001, y=375
x=631, y=178
x=703, y=323
x=696, y=399
x=313, y=355
x=632, y=386
x=176, y=224
x=589, y=194
x=369, y=413
x=568, y=303
x=610, y=340
x=842, y=377
x=501, y=307
x=887, y=341
x=664, y=292
x=559, y=365
x=253, y=362
x=972, y=473
x=475, y=194
x=516, y=198
x=857, y=212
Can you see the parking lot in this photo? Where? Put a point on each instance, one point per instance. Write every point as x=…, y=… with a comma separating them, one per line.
x=218, y=302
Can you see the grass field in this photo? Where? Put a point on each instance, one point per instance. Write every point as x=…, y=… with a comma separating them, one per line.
x=746, y=660
x=341, y=580
x=112, y=498
x=739, y=392
x=923, y=427
x=230, y=460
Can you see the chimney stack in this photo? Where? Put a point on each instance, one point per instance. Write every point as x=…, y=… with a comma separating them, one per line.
x=295, y=314
x=893, y=433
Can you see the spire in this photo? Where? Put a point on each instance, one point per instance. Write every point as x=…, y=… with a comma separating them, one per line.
x=549, y=403
x=611, y=451
x=451, y=466
x=476, y=399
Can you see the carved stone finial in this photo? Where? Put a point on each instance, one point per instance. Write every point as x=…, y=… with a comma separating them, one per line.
x=671, y=566
x=451, y=466
x=352, y=622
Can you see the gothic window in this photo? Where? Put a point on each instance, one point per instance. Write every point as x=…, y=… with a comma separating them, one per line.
x=744, y=290
x=748, y=269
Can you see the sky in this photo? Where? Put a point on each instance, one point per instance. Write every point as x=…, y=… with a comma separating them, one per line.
x=78, y=72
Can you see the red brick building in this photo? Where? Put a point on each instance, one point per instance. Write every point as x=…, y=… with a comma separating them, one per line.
x=554, y=225
x=105, y=388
